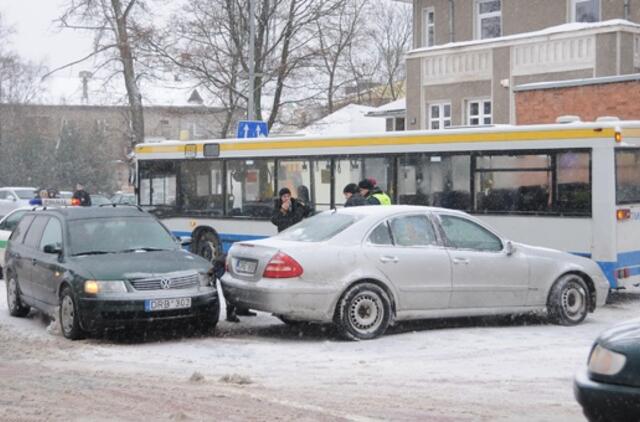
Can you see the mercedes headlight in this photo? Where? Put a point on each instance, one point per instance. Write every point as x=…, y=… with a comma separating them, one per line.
x=111, y=286
x=606, y=362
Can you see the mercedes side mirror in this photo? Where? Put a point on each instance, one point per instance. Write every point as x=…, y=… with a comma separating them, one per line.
x=510, y=248
x=185, y=241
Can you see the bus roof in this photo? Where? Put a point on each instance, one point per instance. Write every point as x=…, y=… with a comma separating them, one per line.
x=491, y=137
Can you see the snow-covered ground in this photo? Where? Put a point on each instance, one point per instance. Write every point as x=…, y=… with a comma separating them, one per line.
x=260, y=369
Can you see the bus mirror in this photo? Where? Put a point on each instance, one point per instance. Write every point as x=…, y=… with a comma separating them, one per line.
x=510, y=248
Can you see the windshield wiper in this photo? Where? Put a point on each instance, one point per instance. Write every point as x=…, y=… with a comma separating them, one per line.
x=145, y=249
x=91, y=253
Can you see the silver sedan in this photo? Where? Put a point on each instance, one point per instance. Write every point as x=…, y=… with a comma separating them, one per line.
x=363, y=268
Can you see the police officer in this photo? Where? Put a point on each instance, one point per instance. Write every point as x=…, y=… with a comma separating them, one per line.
x=372, y=194
x=82, y=196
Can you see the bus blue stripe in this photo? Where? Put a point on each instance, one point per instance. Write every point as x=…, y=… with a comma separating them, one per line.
x=629, y=259
x=227, y=239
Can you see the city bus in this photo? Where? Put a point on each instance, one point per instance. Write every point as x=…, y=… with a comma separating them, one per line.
x=571, y=186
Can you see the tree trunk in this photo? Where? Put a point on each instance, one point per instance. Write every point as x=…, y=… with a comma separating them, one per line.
x=126, y=55
x=283, y=69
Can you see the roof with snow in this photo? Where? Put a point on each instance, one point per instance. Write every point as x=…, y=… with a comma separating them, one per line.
x=397, y=108
x=603, y=26
x=349, y=119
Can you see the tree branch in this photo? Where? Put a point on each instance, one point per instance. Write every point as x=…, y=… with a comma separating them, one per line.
x=94, y=53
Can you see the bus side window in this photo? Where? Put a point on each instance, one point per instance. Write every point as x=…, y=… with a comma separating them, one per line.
x=436, y=180
x=250, y=187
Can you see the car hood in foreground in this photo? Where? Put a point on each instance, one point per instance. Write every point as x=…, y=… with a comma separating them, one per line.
x=138, y=264
x=623, y=338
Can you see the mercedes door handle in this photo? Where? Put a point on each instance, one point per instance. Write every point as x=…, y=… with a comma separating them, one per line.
x=387, y=259
x=464, y=261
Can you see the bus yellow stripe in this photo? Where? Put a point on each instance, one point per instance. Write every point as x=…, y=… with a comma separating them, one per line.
x=391, y=140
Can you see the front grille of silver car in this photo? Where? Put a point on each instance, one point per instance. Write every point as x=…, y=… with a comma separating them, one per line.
x=175, y=281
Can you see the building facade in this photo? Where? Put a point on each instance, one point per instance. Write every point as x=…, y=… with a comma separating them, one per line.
x=470, y=56
x=586, y=99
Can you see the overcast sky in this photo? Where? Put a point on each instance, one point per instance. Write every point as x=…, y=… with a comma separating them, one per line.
x=37, y=37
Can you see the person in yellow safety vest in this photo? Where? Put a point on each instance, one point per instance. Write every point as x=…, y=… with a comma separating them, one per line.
x=372, y=194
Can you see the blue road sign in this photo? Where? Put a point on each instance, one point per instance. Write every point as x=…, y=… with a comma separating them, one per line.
x=252, y=129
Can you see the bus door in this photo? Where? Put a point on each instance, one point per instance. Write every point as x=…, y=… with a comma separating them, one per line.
x=627, y=212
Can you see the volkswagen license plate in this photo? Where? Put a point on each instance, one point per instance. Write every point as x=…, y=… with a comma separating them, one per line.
x=246, y=266
x=152, y=305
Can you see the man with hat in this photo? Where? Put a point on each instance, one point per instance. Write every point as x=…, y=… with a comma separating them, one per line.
x=288, y=211
x=372, y=194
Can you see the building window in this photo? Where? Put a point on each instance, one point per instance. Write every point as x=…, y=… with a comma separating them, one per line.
x=395, y=124
x=439, y=116
x=585, y=10
x=488, y=19
x=479, y=112
x=428, y=27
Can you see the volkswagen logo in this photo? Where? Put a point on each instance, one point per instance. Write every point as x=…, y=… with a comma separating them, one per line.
x=165, y=283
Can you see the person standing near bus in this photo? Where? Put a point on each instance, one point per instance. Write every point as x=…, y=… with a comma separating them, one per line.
x=288, y=211
x=372, y=194
x=352, y=195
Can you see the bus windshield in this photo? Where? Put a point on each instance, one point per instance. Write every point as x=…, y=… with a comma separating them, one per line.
x=627, y=176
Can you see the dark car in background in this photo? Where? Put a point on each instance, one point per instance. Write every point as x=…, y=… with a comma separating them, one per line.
x=105, y=267
x=609, y=388
x=99, y=200
x=124, y=199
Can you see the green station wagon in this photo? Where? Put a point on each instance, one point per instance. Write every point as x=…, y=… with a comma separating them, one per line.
x=105, y=267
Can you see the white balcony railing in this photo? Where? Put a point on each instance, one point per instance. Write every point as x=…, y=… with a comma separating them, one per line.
x=458, y=67
x=553, y=56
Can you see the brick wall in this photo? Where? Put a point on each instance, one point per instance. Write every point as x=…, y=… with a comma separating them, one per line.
x=621, y=99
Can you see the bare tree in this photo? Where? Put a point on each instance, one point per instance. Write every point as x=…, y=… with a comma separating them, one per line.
x=209, y=43
x=19, y=79
x=117, y=31
x=199, y=45
x=337, y=33
x=390, y=33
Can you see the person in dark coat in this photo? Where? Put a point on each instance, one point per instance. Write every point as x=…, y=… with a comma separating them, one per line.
x=82, y=195
x=352, y=195
x=288, y=211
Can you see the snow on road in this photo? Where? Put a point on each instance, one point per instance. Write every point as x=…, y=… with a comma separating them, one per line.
x=260, y=369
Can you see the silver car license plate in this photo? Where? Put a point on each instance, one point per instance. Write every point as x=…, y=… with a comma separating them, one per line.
x=246, y=266
x=152, y=305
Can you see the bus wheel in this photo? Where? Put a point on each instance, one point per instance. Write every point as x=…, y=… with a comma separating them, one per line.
x=208, y=245
x=568, y=301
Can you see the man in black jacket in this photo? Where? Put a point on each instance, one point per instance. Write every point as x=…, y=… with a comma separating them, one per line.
x=82, y=196
x=352, y=195
x=288, y=211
